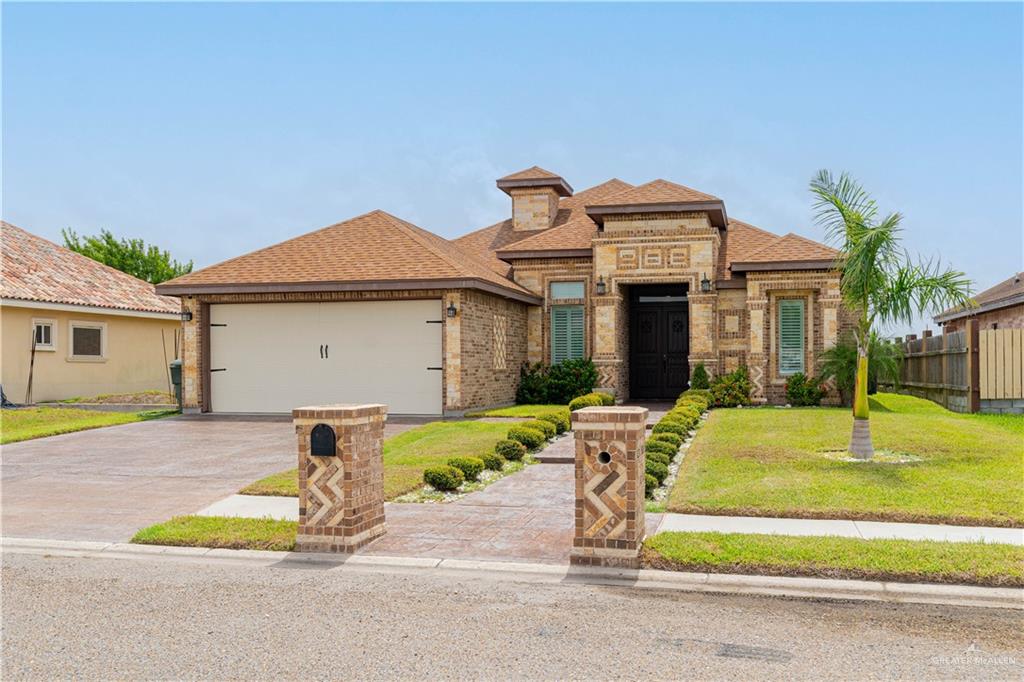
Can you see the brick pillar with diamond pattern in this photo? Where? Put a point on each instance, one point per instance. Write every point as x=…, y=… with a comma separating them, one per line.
x=341, y=489
x=609, y=486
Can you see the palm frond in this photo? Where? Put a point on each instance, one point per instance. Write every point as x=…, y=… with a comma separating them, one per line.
x=841, y=205
x=915, y=288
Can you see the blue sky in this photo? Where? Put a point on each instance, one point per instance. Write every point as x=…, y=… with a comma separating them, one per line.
x=216, y=129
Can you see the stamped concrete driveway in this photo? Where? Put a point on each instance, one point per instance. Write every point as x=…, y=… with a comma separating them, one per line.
x=105, y=484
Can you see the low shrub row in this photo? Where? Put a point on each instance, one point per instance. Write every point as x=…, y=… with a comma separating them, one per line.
x=595, y=399
x=668, y=434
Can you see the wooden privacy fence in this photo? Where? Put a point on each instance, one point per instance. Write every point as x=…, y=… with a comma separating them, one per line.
x=1001, y=364
x=970, y=370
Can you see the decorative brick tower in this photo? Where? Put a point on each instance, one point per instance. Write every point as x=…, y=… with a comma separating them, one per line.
x=341, y=476
x=609, y=486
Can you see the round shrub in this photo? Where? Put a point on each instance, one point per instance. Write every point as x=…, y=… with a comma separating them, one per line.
x=657, y=469
x=664, y=448
x=560, y=420
x=699, y=379
x=607, y=399
x=588, y=400
x=531, y=438
x=511, y=450
x=697, y=393
x=685, y=422
x=545, y=427
x=443, y=477
x=493, y=461
x=693, y=401
x=658, y=457
x=686, y=412
x=667, y=437
x=469, y=466
x=671, y=426
x=650, y=485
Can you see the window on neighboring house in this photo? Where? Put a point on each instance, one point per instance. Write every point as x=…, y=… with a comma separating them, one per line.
x=791, y=337
x=88, y=340
x=566, y=333
x=44, y=334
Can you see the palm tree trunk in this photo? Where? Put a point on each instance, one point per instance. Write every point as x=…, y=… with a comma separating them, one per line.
x=860, y=440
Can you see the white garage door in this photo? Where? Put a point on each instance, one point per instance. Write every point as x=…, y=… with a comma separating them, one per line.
x=274, y=357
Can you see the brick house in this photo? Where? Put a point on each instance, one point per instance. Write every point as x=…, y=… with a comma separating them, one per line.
x=646, y=280
x=1000, y=307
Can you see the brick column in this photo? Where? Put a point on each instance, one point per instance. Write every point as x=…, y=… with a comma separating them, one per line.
x=341, y=489
x=610, y=520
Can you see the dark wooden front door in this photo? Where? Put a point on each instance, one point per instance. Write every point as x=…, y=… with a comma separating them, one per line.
x=659, y=348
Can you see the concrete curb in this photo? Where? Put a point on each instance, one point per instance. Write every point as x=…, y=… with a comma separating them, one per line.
x=721, y=583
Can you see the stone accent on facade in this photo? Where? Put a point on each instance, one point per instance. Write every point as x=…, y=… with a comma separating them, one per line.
x=341, y=494
x=534, y=208
x=537, y=276
x=610, y=519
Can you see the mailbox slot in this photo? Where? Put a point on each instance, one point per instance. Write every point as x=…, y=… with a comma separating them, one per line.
x=322, y=441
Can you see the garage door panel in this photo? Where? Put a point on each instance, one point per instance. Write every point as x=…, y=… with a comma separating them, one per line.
x=375, y=352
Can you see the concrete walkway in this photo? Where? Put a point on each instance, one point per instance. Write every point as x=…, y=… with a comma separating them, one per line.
x=501, y=509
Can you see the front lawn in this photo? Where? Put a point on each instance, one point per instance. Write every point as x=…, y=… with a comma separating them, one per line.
x=139, y=398
x=772, y=462
x=406, y=456
x=25, y=423
x=221, y=532
x=521, y=411
x=836, y=557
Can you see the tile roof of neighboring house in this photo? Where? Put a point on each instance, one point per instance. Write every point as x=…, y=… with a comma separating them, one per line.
x=572, y=230
x=654, y=192
x=374, y=250
x=35, y=269
x=1006, y=293
x=791, y=248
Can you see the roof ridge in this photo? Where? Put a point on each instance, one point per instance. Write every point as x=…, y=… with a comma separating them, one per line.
x=412, y=230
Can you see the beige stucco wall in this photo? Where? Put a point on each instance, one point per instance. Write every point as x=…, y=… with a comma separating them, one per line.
x=134, y=361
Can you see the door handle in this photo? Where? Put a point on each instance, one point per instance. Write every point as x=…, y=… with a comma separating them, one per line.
x=321, y=351
x=327, y=351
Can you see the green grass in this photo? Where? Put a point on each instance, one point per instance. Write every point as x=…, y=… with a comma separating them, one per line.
x=215, y=531
x=769, y=462
x=835, y=557
x=138, y=398
x=39, y=422
x=523, y=411
x=406, y=456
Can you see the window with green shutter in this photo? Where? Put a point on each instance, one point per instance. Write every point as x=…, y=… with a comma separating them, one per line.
x=566, y=333
x=791, y=337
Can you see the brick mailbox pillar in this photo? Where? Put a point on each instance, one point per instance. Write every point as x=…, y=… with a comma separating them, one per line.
x=609, y=486
x=341, y=476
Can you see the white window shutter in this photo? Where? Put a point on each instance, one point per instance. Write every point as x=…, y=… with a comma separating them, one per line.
x=791, y=337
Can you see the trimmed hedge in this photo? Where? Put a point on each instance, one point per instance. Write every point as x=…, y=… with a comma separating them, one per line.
x=469, y=466
x=686, y=412
x=666, y=449
x=667, y=437
x=588, y=400
x=695, y=401
x=656, y=456
x=650, y=485
x=657, y=469
x=561, y=420
x=671, y=426
x=531, y=438
x=698, y=393
x=607, y=399
x=511, y=450
x=545, y=427
x=443, y=477
x=493, y=461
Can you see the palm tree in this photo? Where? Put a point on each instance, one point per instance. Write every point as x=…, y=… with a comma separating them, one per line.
x=879, y=282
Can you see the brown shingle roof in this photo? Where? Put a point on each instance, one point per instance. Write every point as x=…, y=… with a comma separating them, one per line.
x=374, y=248
x=532, y=178
x=1006, y=293
x=787, y=249
x=740, y=239
x=35, y=269
x=654, y=192
x=532, y=173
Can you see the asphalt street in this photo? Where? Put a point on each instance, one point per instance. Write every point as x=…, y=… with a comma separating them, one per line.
x=91, y=618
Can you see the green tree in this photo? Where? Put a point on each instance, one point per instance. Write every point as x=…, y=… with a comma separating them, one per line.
x=839, y=363
x=133, y=256
x=879, y=282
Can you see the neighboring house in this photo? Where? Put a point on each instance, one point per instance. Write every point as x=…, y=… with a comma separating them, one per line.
x=1000, y=307
x=647, y=280
x=96, y=330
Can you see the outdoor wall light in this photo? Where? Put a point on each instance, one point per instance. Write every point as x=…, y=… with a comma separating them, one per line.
x=601, y=288
x=186, y=315
x=452, y=310
x=705, y=284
